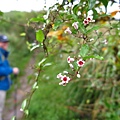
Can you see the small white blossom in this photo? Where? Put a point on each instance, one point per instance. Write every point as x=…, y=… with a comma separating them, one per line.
x=69, y=59
x=80, y=62
x=78, y=75
x=71, y=65
x=84, y=3
x=85, y=15
x=21, y=109
x=75, y=25
x=79, y=56
x=79, y=13
x=85, y=22
x=59, y=75
x=105, y=42
x=90, y=18
x=65, y=79
x=68, y=31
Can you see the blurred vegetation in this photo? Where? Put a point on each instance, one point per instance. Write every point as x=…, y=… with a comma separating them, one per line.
x=13, y=24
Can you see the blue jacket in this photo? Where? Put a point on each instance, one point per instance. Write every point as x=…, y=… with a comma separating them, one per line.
x=5, y=70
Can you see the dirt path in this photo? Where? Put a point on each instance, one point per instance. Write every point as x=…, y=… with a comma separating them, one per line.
x=21, y=93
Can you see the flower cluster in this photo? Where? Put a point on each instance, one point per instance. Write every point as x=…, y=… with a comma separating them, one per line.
x=75, y=25
x=75, y=71
x=88, y=20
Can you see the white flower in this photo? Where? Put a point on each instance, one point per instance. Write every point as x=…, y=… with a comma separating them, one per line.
x=68, y=31
x=69, y=59
x=75, y=25
x=71, y=65
x=79, y=56
x=90, y=18
x=85, y=22
x=78, y=75
x=79, y=13
x=59, y=75
x=105, y=42
x=80, y=62
x=84, y=3
x=21, y=109
x=65, y=79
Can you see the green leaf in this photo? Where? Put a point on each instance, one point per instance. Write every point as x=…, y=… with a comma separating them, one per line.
x=75, y=9
x=75, y=65
x=35, y=86
x=38, y=19
x=40, y=36
x=91, y=3
x=69, y=1
x=24, y=103
x=82, y=27
x=13, y=118
x=95, y=14
x=93, y=28
x=105, y=2
x=22, y=34
x=93, y=56
x=98, y=57
x=57, y=24
x=34, y=47
x=47, y=64
x=42, y=61
x=84, y=50
x=26, y=112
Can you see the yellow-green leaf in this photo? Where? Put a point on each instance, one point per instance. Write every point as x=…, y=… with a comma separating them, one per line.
x=40, y=36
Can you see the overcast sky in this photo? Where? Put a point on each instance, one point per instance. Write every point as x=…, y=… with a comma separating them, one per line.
x=37, y=5
x=25, y=5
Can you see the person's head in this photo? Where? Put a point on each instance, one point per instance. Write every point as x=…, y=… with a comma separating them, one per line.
x=4, y=42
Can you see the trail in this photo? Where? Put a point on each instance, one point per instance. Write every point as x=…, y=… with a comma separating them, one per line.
x=21, y=93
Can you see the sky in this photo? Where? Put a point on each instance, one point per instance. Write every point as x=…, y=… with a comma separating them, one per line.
x=37, y=5
x=25, y=5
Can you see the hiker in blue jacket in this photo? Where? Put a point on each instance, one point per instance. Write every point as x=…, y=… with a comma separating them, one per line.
x=5, y=71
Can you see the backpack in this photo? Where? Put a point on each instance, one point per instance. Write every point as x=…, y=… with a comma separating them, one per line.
x=2, y=59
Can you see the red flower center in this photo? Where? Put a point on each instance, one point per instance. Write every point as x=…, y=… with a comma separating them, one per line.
x=68, y=59
x=89, y=19
x=86, y=21
x=80, y=62
x=65, y=79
